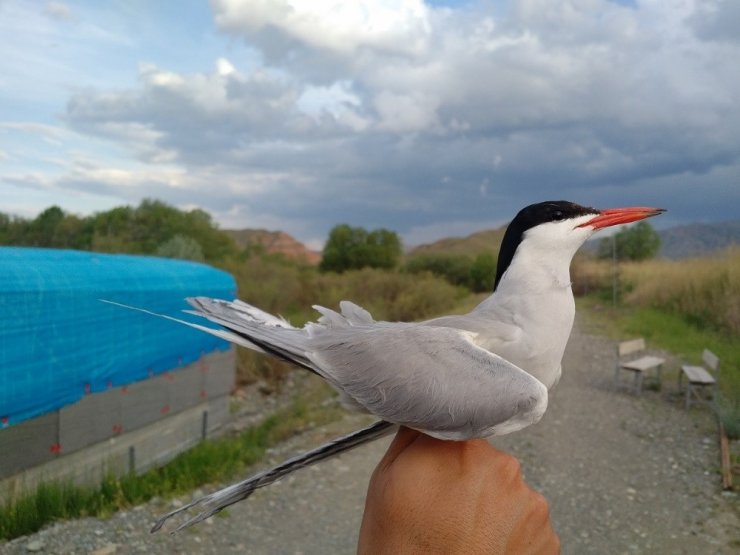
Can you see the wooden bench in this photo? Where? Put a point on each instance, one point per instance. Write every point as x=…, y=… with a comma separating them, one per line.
x=699, y=378
x=639, y=365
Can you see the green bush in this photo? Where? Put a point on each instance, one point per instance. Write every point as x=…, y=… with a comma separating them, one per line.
x=458, y=269
x=637, y=242
x=182, y=247
x=728, y=412
x=483, y=273
x=454, y=268
x=353, y=248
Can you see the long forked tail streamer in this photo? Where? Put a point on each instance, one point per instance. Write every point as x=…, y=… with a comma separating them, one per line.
x=217, y=501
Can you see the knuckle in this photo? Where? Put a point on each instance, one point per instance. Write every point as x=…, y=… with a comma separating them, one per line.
x=511, y=467
x=540, y=508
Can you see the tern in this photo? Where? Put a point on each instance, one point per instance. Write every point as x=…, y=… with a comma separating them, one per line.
x=482, y=374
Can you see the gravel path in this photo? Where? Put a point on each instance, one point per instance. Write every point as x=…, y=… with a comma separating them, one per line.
x=623, y=475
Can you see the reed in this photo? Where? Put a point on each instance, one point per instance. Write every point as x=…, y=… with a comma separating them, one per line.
x=705, y=290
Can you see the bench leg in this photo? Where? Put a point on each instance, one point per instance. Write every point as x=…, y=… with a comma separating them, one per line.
x=660, y=378
x=638, y=383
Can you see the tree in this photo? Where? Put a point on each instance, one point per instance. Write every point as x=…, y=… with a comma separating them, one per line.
x=181, y=246
x=148, y=227
x=352, y=248
x=383, y=249
x=13, y=229
x=43, y=228
x=638, y=242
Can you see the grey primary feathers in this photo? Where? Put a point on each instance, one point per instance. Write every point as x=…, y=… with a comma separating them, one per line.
x=476, y=375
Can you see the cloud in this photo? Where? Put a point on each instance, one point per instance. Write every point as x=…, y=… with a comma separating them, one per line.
x=59, y=11
x=392, y=27
x=410, y=116
x=717, y=20
x=51, y=133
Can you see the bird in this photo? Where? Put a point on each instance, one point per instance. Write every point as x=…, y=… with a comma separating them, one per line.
x=458, y=377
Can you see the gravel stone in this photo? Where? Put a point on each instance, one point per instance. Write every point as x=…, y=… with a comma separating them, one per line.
x=622, y=474
x=109, y=549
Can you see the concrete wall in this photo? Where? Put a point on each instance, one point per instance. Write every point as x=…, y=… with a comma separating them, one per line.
x=124, y=429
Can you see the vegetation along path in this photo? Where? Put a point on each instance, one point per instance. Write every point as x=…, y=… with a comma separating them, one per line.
x=623, y=475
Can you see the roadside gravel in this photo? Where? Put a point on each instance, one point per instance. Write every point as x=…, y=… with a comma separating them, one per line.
x=622, y=474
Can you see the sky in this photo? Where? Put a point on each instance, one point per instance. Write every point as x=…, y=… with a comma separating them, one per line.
x=432, y=119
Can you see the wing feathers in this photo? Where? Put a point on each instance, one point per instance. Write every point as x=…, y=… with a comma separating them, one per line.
x=432, y=379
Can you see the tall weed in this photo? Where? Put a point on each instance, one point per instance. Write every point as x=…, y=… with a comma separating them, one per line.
x=704, y=290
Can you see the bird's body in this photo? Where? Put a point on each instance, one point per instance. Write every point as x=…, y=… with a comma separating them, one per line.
x=476, y=375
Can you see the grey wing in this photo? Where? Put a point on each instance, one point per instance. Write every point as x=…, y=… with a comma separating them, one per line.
x=432, y=379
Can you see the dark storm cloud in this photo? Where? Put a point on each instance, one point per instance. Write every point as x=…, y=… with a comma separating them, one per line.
x=717, y=20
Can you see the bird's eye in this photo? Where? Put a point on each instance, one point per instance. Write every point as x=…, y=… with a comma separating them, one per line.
x=557, y=215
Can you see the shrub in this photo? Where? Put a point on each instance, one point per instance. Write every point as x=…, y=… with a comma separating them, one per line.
x=454, y=268
x=637, y=242
x=483, y=273
x=182, y=247
x=353, y=248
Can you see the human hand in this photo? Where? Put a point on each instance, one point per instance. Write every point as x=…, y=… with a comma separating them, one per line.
x=453, y=497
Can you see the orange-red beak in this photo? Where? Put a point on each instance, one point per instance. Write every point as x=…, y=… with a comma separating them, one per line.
x=616, y=216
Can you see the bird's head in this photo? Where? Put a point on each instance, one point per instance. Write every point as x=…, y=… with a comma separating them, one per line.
x=559, y=228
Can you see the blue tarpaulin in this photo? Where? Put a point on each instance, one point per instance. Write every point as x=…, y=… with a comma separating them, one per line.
x=58, y=342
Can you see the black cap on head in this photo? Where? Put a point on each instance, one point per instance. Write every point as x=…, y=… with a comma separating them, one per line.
x=529, y=217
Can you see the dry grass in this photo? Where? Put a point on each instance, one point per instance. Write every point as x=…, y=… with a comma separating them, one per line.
x=705, y=291
x=590, y=275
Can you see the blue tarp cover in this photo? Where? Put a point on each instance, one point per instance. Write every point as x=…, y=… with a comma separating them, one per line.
x=59, y=342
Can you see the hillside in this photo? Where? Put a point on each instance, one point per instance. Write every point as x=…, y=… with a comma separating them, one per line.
x=488, y=240
x=690, y=240
x=274, y=242
x=698, y=239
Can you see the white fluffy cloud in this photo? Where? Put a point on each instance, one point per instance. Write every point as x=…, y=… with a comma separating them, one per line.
x=391, y=26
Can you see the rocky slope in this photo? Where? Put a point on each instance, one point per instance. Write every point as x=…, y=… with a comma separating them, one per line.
x=275, y=242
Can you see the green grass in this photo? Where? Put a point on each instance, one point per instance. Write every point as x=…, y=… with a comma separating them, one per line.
x=683, y=336
x=209, y=461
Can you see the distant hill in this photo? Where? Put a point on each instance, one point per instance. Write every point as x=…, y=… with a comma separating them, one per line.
x=698, y=239
x=685, y=241
x=676, y=242
x=275, y=242
x=482, y=241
